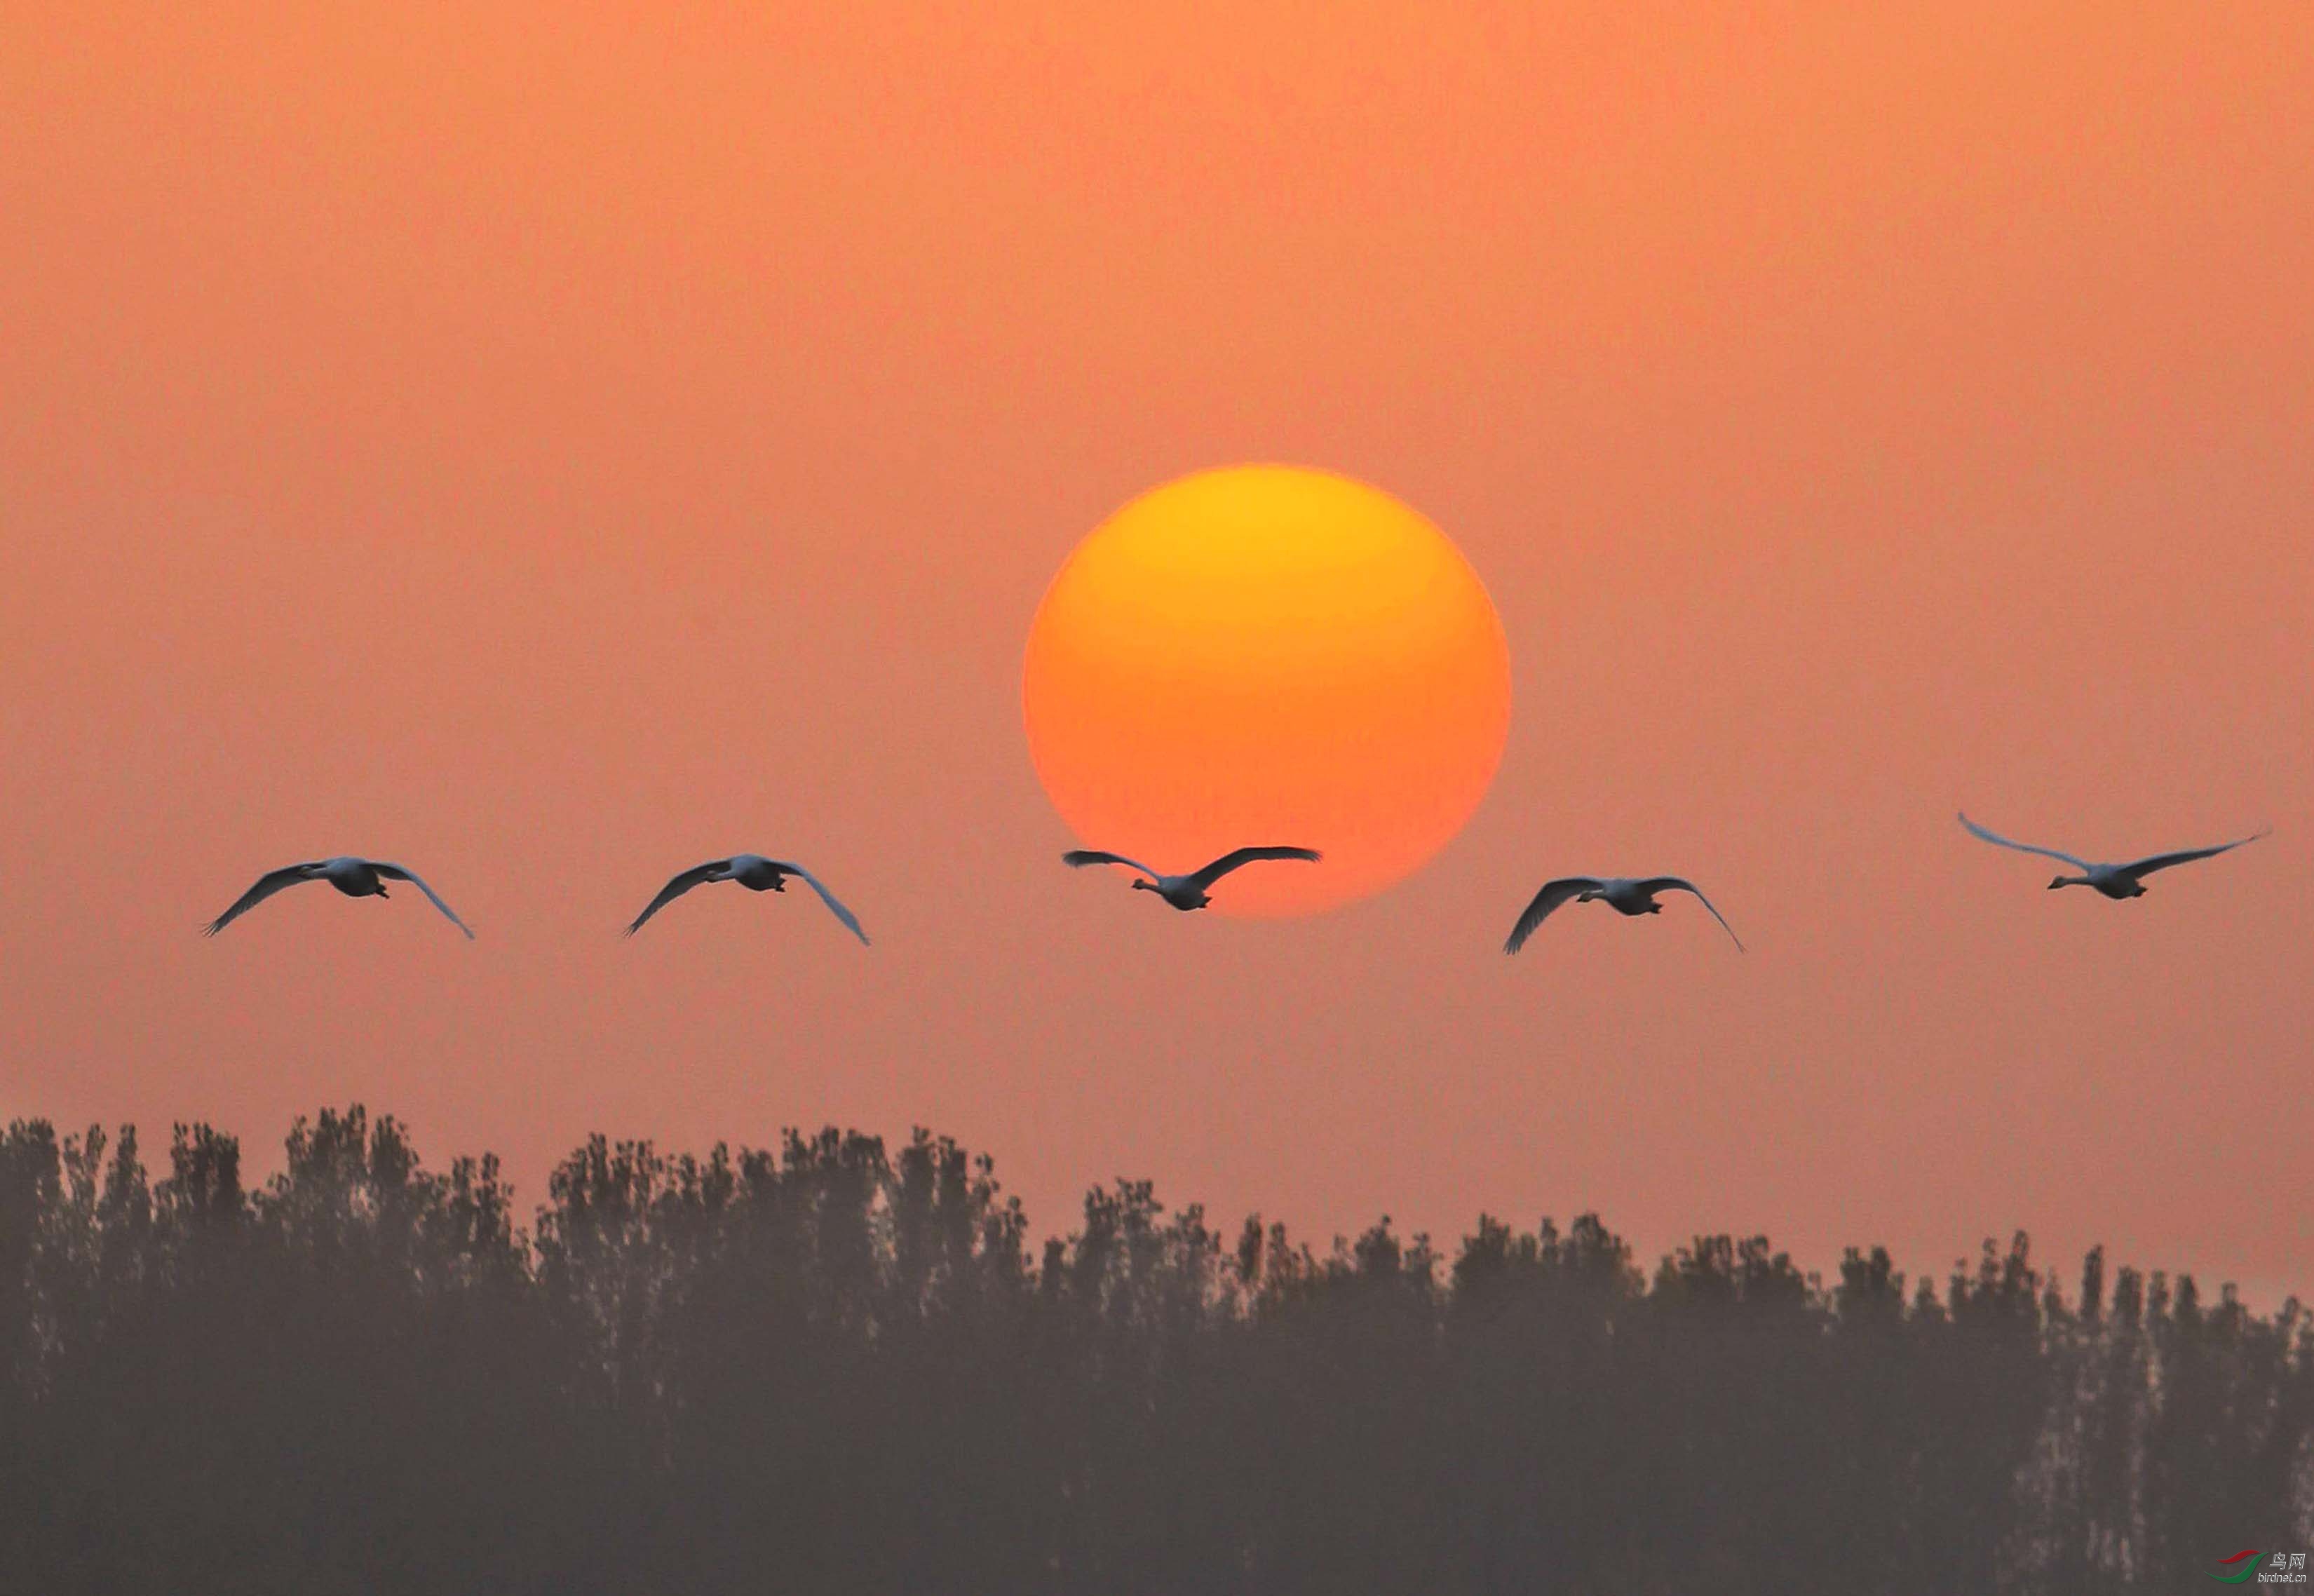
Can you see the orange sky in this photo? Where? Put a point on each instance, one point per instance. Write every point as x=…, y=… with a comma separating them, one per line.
x=552, y=445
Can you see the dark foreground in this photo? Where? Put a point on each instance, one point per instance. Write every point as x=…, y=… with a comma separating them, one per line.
x=830, y=1368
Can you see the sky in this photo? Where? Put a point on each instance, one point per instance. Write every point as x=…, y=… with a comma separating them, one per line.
x=552, y=445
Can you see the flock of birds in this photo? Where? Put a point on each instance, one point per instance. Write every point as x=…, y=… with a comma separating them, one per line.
x=1626, y=894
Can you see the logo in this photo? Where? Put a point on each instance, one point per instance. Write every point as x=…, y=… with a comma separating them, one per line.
x=2280, y=1569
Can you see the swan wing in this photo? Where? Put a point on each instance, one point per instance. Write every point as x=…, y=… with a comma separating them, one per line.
x=1238, y=857
x=1553, y=893
x=851, y=921
x=1998, y=841
x=1655, y=884
x=270, y=883
x=677, y=887
x=2162, y=861
x=398, y=873
x=1078, y=858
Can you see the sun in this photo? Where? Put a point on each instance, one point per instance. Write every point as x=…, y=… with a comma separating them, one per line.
x=1269, y=653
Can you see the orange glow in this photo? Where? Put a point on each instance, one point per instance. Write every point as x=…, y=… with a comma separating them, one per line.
x=1265, y=655
x=551, y=445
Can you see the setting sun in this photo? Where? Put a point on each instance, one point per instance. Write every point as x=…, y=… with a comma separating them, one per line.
x=1269, y=653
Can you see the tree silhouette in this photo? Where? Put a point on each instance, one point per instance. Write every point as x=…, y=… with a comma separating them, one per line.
x=830, y=1367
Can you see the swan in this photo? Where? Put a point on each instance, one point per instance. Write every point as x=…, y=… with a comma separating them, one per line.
x=756, y=874
x=2115, y=881
x=1187, y=892
x=1623, y=893
x=356, y=878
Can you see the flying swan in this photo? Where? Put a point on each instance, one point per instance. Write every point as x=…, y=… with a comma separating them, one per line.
x=1186, y=892
x=356, y=878
x=756, y=874
x=2115, y=881
x=1625, y=894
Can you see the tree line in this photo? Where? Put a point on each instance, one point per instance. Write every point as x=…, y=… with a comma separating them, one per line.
x=834, y=1366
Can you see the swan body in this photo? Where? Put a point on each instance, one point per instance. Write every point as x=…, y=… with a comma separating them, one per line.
x=756, y=874
x=2119, y=882
x=355, y=877
x=1187, y=892
x=1626, y=894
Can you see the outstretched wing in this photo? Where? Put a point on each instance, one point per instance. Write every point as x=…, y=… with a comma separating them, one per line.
x=270, y=883
x=1233, y=859
x=2162, y=861
x=398, y=873
x=1553, y=893
x=1080, y=857
x=676, y=888
x=1977, y=831
x=1655, y=884
x=849, y=920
